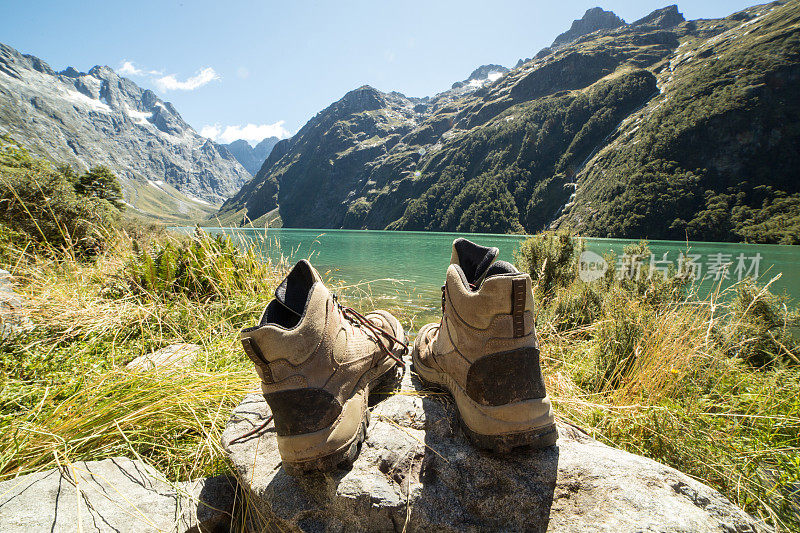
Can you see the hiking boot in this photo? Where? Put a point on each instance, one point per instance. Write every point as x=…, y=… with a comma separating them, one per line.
x=485, y=352
x=318, y=361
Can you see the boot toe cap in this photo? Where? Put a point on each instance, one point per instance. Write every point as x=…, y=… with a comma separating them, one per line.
x=426, y=335
x=387, y=322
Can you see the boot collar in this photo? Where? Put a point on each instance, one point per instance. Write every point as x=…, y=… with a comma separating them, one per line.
x=473, y=260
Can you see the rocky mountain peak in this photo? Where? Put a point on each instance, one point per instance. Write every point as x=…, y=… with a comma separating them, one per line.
x=486, y=71
x=666, y=17
x=481, y=75
x=103, y=71
x=593, y=20
x=252, y=157
x=88, y=119
x=365, y=98
x=39, y=65
x=238, y=144
x=71, y=72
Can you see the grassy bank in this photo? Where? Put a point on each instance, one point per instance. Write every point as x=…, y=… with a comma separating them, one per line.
x=65, y=393
x=709, y=386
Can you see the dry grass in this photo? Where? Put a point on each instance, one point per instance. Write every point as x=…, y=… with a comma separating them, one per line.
x=65, y=394
x=669, y=378
x=686, y=403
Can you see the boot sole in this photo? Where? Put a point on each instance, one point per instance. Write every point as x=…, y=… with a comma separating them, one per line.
x=344, y=456
x=536, y=432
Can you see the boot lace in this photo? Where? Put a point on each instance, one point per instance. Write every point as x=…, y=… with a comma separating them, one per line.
x=380, y=335
x=360, y=321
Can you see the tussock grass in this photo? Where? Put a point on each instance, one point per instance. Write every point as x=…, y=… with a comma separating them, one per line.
x=173, y=421
x=65, y=394
x=709, y=386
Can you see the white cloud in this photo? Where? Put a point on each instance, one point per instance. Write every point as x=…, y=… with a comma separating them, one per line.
x=171, y=83
x=251, y=133
x=211, y=132
x=494, y=76
x=129, y=68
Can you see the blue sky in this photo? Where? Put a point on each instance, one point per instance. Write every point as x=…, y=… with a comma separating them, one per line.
x=272, y=65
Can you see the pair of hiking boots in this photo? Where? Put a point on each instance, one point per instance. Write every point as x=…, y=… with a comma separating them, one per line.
x=318, y=360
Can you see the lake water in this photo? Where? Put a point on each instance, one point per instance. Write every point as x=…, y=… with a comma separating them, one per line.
x=407, y=269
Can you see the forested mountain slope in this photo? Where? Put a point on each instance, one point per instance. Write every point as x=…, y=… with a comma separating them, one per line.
x=658, y=129
x=716, y=155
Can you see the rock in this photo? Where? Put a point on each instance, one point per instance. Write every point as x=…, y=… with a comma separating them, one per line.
x=666, y=17
x=486, y=72
x=252, y=157
x=477, y=79
x=171, y=357
x=117, y=494
x=207, y=504
x=417, y=472
x=593, y=20
x=12, y=319
x=7, y=294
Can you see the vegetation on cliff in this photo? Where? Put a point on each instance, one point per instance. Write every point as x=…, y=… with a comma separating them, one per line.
x=715, y=155
x=527, y=153
x=663, y=129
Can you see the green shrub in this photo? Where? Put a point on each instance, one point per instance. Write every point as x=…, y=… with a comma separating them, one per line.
x=760, y=327
x=12, y=244
x=551, y=259
x=617, y=339
x=654, y=288
x=579, y=305
x=100, y=182
x=200, y=268
x=41, y=202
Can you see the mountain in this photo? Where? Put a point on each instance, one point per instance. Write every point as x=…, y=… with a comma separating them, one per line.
x=481, y=76
x=663, y=128
x=167, y=170
x=593, y=20
x=715, y=156
x=252, y=157
x=665, y=17
x=357, y=127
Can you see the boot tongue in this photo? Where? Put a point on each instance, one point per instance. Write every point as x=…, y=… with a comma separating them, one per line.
x=473, y=259
x=294, y=290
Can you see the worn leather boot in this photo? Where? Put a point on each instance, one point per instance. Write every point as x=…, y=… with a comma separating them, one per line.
x=485, y=352
x=318, y=361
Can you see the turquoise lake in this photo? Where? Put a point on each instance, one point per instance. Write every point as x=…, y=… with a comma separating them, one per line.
x=406, y=269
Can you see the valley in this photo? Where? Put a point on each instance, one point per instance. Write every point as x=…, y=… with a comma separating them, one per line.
x=169, y=173
x=657, y=127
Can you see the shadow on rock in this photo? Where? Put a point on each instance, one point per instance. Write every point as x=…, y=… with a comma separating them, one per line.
x=463, y=488
x=417, y=471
